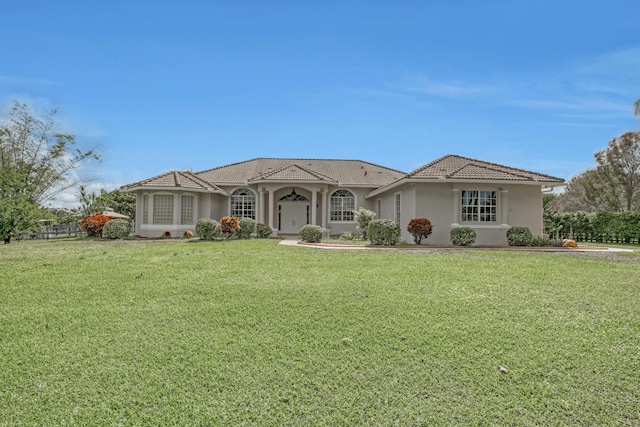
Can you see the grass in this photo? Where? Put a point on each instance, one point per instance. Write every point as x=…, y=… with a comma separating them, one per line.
x=255, y=333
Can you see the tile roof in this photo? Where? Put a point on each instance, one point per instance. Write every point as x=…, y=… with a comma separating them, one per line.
x=293, y=172
x=343, y=172
x=175, y=179
x=456, y=167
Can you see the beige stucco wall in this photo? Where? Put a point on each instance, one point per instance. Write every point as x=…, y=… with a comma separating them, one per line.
x=518, y=205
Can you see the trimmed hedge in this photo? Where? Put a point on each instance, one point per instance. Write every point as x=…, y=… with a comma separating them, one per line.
x=263, y=231
x=116, y=228
x=208, y=229
x=311, y=233
x=383, y=232
x=602, y=227
x=247, y=227
x=519, y=236
x=463, y=236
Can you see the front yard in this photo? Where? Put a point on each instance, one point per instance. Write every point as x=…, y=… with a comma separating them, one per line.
x=255, y=333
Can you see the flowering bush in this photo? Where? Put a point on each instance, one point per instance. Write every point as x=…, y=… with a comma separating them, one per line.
x=463, y=236
x=263, y=231
x=420, y=228
x=116, y=228
x=383, y=232
x=229, y=226
x=247, y=227
x=208, y=229
x=93, y=224
x=311, y=233
x=363, y=217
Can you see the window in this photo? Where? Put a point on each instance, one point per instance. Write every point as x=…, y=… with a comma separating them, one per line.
x=398, y=210
x=479, y=206
x=186, y=210
x=163, y=209
x=145, y=209
x=343, y=203
x=243, y=203
x=379, y=208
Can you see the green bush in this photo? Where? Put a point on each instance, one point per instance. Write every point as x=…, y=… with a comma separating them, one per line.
x=463, y=236
x=347, y=236
x=311, y=233
x=208, y=229
x=545, y=241
x=383, y=232
x=263, y=231
x=116, y=228
x=519, y=236
x=363, y=217
x=247, y=227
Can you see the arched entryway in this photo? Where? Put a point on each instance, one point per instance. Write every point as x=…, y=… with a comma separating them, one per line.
x=294, y=212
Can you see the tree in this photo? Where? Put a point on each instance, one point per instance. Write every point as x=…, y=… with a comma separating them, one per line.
x=36, y=162
x=619, y=165
x=119, y=201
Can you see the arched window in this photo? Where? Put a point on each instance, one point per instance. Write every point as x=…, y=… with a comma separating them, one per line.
x=343, y=202
x=243, y=203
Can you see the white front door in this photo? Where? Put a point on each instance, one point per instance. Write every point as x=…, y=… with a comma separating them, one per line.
x=292, y=216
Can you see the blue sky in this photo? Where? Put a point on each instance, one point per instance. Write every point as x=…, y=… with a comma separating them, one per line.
x=194, y=84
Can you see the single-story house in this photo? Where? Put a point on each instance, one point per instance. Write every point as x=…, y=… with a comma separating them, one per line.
x=286, y=194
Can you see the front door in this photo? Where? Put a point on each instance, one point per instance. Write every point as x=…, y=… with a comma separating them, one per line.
x=292, y=216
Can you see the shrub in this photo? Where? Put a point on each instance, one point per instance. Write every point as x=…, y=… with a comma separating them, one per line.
x=93, y=224
x=207, y=229
x=247, y=227
x=363, y=217
x=519, y=236
x=463, y=236
x=116, y=228
x=263, y=231
x=229, y=226
x=383, y=232
x=545, y=241
x=420, y=228
x=347, y=236
x=311, y=233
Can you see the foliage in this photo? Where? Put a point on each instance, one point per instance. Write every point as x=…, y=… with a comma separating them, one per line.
x=383, y=232
x=119, y=201
x=41, y=156
x=247, y=228
x=363, y=216
x=116, y=228
x=420, y=228
x=311, y=233
x=296, y=337
x=94, y=224
x=607, y=227
x=263, y=231
x=35, y=165
x=519, y=236
x=64, y=216
x=208, y=229
x=463, y=236
x=614, y=185
x=229, y=226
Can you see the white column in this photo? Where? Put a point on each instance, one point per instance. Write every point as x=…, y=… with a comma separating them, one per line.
x=314, y=204
x=503, y=203
x=325, y=213
x=260, y=207
x=456, y=206
x=271, y=198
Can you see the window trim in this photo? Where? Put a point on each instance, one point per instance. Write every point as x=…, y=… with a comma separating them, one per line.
x=344, y=212
x=232, y=211
x=478, y=208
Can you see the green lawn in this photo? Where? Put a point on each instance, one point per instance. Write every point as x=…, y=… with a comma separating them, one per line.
x=255, y=333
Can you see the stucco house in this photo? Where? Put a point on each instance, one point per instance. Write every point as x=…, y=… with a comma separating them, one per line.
x=286, y=194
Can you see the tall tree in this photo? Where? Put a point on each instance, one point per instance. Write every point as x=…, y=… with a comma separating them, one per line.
x=619, y=166
x=36, y=162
